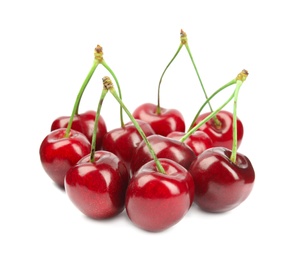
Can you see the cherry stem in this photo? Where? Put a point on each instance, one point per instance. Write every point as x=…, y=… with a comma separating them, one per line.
x=205, y=103
x=240, y=79
x=119, y=89
x=95, y=127
x=109, y=85
x=195, y=67
x=158, y=112
x=98, y=57
x=185, y=42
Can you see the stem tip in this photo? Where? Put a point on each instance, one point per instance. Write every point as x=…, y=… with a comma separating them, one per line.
x=242, y=75
x=183, y=37
x=107, y=83
x=98, y=53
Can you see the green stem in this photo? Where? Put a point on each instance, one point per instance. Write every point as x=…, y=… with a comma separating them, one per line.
x=183, y=40
x=240, y=79
x=200, y=80
x=109, y=85
x=216, y=121
x=119, y=89
x=97, y=60
x=208, y=99
x=93, y=141
x=159, y=106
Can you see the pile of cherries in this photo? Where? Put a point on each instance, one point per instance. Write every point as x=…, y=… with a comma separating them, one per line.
x=150, y=167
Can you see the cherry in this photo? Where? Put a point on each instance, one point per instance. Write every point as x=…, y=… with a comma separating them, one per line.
x=173, y=167
x=162, y=120
x=220, y=184
x=123, y=141
x=83, y=123
x=198, y=141
x=60, y=150
x=221, y=133
x=97, y=187
x=97, y=183
x=156, y=201
x=163, y=147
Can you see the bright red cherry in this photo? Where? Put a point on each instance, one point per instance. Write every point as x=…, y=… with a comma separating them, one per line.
x=83, y=123
x=156, y=201
x=123, y=141
x=59, y=153
x=221, y=134
x=199, y=141
x=163, y=147
x=98, y=188
x=220, y=184
x=163, y=123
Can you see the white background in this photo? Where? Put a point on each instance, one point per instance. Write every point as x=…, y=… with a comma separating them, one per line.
x=46, y=51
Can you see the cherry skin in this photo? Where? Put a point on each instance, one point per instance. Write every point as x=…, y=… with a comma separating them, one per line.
x=199, y=141
x=83, y=123
x=164, y=123
x=220, y=184
x=163, y=147
x=98, y=188
x=171, y=166
x=59, y=153
x=123, y=141
x=222, y=135
x=156, y=201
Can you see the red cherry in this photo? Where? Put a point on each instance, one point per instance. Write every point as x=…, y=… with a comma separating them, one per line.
x=221, y=135
x=220, y=184
x=123, y=141
x=157, y=201
x=171, y=166
x=164, y=123
x=98, y=188
x=199, y=141
x=59, y=153
x=163, y=147
x=83, y=123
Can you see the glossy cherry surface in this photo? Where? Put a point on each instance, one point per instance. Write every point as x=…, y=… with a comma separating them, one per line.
x=163, y=147
x=164, y=123
x=59, y=153
x=83, y=123
x=220, y=184
x=157, y=201
x=222, y=135
x=98, y=188
x=199, y=141
x=123, y=141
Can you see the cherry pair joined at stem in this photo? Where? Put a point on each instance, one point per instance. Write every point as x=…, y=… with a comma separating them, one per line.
x=223, y=177
x=84, y=122
x=64, y=146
